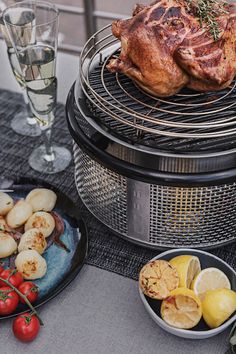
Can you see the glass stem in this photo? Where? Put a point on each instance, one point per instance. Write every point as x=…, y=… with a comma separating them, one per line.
x=30, y=118
x=47, y=135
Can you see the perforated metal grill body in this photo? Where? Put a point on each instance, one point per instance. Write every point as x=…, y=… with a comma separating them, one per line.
x=157, y=216
x=99, y=188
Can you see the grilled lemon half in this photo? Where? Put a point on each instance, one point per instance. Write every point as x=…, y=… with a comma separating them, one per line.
x=158, y=278
x=182, y=309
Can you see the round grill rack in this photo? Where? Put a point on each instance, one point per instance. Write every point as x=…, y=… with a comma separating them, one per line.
x=187, y=115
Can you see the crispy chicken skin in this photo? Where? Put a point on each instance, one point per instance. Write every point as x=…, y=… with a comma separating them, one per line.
x=164, y=48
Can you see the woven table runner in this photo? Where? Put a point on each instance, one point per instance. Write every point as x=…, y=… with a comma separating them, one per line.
x=106, y=251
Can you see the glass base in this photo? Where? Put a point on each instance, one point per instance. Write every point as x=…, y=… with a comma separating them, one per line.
x=25, y=126
x=41, y=162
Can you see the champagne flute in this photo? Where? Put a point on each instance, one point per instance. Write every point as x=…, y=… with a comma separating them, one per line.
x=24, y=122
x=36, y=49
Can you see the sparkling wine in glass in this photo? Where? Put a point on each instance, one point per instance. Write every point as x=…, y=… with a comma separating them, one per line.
x=38, y=65
x=36, y=49
x=24, y=122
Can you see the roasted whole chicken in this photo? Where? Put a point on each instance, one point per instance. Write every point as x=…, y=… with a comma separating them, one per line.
x=165, y=47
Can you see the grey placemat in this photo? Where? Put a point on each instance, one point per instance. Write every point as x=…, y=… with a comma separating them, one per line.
x=106, y=251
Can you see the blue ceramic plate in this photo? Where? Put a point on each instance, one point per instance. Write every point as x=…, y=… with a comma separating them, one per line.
x=62, y=266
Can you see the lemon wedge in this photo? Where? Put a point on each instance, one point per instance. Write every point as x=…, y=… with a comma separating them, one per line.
x=217, y=306
x=182, y=309
x=188, y=267
x=210, y=279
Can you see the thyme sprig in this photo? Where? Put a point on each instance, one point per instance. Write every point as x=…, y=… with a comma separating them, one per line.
x=208, y=12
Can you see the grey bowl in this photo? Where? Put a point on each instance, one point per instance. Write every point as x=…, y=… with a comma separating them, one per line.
x=201, y=331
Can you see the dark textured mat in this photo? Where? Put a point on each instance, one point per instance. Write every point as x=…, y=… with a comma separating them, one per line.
x=106, y=251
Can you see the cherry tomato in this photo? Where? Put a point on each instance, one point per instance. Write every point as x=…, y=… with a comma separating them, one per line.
x=1, y=269
x=13, y=276
x=8, y=300
x=26, y=327
x=30, y=290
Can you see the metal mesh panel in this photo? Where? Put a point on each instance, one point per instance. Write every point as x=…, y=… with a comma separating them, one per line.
x=102, y=191
x=202, y=216
x=179, y=217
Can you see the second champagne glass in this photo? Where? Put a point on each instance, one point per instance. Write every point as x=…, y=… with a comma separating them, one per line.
x=36, y=49
x=23, y=122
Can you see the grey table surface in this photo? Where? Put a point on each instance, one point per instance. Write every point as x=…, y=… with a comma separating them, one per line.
x=101, y=313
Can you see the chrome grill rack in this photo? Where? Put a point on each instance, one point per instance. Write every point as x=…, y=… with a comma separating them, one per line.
x=187, y=115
